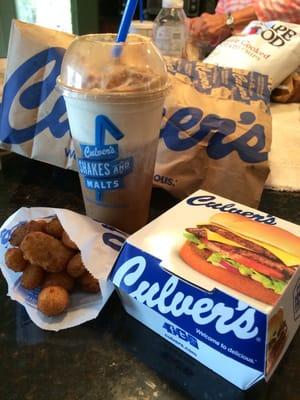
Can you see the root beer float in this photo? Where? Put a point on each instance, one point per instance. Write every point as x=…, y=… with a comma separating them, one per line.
x=114, y=95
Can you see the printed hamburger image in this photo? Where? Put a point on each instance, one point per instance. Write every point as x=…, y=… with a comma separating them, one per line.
x=253, y=258
x=277, y=336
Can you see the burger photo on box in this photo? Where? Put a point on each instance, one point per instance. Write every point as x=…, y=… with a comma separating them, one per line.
x=277, y=337
x=253, y=258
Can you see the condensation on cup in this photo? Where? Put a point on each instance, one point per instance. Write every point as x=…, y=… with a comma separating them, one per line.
x=114, y=106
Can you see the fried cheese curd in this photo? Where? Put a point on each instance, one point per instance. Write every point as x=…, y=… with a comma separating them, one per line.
x=45, y=250
x=62, y=279
x=75, y=266
x=88, y=283
x=32, y=277
x=15, y=260
x=54, y=228
x=22, y=230
x=68, y=242
x=53, y=300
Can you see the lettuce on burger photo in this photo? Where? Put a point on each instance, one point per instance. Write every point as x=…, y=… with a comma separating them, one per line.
x=251, y=257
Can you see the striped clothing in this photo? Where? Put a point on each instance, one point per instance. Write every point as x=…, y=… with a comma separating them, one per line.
x=266, y=10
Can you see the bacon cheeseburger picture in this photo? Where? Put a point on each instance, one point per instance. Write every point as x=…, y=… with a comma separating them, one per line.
x=251, y=257
x=277, y=336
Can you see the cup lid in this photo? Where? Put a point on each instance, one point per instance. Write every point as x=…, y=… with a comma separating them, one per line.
x=90, y=67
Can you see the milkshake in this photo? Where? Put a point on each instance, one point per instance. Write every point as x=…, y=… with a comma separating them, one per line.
x=114, y=105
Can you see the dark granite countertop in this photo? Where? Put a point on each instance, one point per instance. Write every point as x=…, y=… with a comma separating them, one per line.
x=112, y=357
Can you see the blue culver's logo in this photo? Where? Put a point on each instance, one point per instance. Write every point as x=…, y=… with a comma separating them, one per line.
x=189, y=118
x=100, y=167
x=31, y=97
x=211, y=201
x=214, y=318
x=249, y=146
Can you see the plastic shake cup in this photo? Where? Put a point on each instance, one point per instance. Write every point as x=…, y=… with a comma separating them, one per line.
x=114, y=106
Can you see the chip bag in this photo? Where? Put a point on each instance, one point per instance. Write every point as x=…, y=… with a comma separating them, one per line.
x=271, y=48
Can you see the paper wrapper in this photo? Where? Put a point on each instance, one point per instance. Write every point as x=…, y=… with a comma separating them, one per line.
x=216, y=132
x=33, y=118
x=99, y=245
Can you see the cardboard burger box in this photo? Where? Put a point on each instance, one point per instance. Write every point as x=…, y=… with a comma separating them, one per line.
x=219, y=280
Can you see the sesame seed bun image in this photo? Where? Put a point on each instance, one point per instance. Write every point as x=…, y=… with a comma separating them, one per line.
x=253, y=258
x=277, y=336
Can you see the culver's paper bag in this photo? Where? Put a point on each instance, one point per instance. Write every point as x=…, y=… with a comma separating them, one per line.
x=216, y=132
x=33, y=118
x=99, y=245
x=289, y=90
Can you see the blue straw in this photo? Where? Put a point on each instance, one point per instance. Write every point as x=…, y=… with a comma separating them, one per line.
x=124, y=26
x=126, y=20
x=142, y=17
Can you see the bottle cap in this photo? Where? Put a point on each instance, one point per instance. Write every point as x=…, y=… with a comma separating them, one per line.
x=172, y=3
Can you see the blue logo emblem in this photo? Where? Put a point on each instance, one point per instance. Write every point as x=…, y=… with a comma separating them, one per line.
x=250, y=146
x=181, y=334
x=32, y=97
x=100, y=166
x=191, y=314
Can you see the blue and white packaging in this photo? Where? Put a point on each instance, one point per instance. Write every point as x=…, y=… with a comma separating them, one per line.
x=228, y=331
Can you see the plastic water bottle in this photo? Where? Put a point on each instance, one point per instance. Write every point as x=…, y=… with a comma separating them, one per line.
x=170, y=32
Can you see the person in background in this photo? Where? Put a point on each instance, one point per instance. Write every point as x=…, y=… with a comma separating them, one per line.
x=231, y=16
